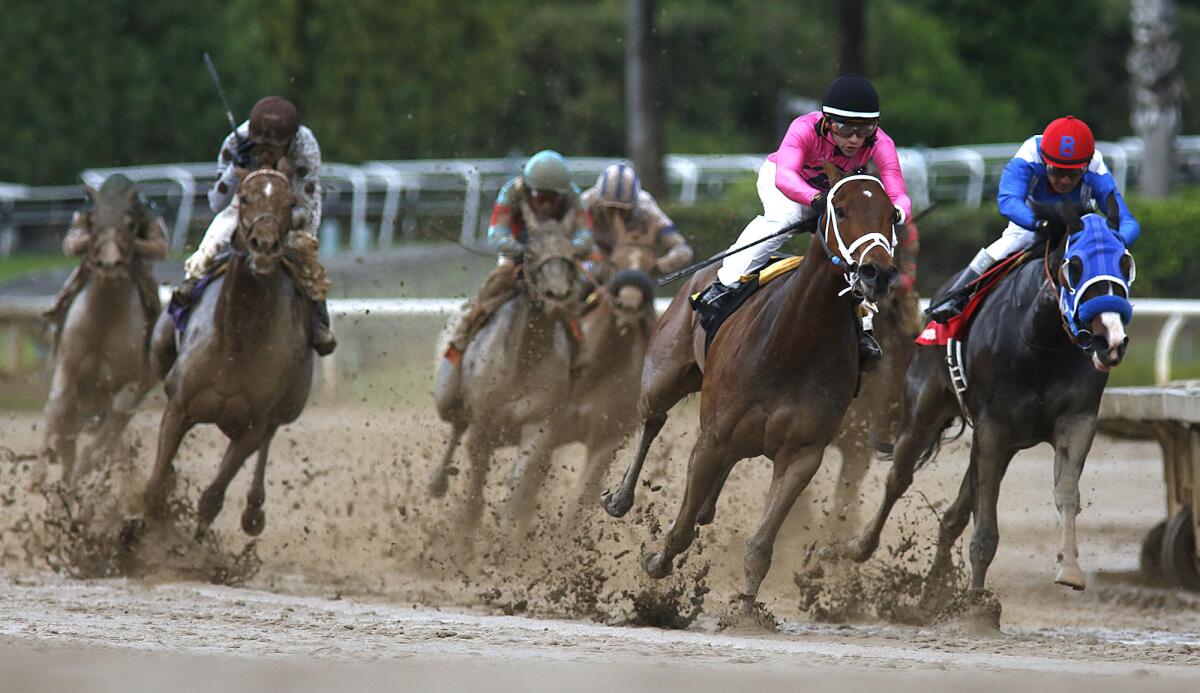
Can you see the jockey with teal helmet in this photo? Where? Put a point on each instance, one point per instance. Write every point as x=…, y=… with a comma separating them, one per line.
x=545, y=189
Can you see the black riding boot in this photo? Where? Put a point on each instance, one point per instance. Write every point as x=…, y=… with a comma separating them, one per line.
x=323, y=340
x=955, y=299
x=181, y=297
x=869, y=351
x=712, y=300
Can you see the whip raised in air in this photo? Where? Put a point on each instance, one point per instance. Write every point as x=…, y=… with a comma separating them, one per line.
x=212, y=72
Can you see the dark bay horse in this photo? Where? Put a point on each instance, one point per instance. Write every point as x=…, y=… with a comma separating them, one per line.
x=244, y=362
x=514, y=375
x=601, y=409
x=101, y=369
x=779, y=374
x=1029, y=381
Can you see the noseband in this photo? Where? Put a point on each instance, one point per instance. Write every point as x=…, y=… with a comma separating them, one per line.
x=844, y=258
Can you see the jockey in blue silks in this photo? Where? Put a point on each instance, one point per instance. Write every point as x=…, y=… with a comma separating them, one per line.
x=1061, y=163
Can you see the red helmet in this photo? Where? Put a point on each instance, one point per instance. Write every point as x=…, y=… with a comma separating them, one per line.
x=1068, y=143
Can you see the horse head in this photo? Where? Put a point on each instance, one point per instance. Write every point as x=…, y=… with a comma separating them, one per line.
x=631, y=289
x=1095, y=270
x=265, y=202
x=550, y=270
x=113, y=221
x=857, y=232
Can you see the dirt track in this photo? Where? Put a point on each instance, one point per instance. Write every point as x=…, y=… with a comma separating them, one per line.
x=357, y=564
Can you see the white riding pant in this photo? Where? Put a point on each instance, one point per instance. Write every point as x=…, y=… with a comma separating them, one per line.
x=216, y=238
x=1014, y=240
x=778, y=212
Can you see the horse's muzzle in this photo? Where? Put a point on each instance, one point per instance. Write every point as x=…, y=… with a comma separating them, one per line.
x=875, y=281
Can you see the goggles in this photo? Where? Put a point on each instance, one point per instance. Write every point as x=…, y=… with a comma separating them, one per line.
x=1068, y=173
x=852, y=129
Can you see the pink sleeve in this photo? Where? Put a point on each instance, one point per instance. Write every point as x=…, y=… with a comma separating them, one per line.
x=888, y=162
x=789, y=159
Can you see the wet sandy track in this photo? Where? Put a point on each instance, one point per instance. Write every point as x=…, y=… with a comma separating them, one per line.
x=358, y=565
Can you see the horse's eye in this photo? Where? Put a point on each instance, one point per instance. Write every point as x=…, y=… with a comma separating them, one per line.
x=841, y=213
x=1128, y=267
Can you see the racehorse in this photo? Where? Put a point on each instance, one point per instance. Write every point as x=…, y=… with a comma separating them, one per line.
x=101, y=370
x=513, y=376
x=601, y=410
x=244, y=361
x=779, y=374
x=1035, y=363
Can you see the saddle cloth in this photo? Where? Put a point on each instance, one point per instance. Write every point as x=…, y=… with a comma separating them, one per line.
x=938, y=334
x=777, y=266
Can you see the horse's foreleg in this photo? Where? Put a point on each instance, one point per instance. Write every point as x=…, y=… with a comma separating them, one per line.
x=708, y=512
x=991, y=456
x=439, y=480
x=163, y=350
x=707, y=464
x=529, y=476
x=601, y=451
x=856, y=461
x=214, y=496
x=253, y=518
x=935, y=406
x=123, y=405
x=792, y=473
x=480, y=444
x=950, y=528
x=617, y=503
x=61, y=417
x=1072, y=440
x=171, y=430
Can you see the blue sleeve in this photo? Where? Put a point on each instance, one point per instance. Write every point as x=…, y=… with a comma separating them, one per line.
x=1014, y=188
x=499, y=235
x=1103, y=184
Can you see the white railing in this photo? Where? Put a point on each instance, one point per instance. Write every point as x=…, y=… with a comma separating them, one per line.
x=29, y=308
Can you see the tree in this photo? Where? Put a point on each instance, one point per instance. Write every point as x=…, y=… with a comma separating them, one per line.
x=852, y=30
x=643, y=96
x=1154, y=68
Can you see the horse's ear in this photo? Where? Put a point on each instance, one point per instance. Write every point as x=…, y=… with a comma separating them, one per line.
x=90, y=192
x=834, y=173
x=1112, y=210
x=1046, y=210
x=241, y=173
x=131, y=195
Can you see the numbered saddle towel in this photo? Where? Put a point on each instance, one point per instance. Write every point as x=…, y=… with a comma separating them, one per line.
x=938, y=334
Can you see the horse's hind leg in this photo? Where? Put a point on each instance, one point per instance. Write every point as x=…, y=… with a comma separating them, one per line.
x=950, y=528
x=214, y=496
x=123, y=406
x=253, y=518
x=530, y=475
x=439, y=480
x=708, y=512
x=171, y=430
x=705, y=469
x=792, y=473
x=61, y=417
x=935, y=406
x=991, y=457
x=856, y=461
x=601, y=451
x=1072, y=440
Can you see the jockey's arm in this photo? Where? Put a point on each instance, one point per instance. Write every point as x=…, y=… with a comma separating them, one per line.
x=221, y=192
x=304, y=157
x=582, y=239
x=78, y=237
x=678, y=252
x=789, y=160
x=1014, y=188
x=151, y=243
x=500, y=236
x=890, y=174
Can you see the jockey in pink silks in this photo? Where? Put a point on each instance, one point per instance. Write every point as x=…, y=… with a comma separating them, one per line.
x=792, y=183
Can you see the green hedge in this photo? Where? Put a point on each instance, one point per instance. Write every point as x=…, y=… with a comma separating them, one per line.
x=952, y=234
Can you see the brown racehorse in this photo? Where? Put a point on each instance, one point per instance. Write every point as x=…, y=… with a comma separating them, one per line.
x=244, y=362
x=101, y=370
x=601, y=410
x=779, y=374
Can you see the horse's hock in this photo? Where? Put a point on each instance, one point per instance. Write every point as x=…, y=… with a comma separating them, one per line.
x=1171, y=415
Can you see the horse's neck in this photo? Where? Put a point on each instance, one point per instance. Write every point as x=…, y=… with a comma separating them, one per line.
x=108, y=295
x=532, y=333
x=1041, y=322
x=810, y=303
x=247, y=306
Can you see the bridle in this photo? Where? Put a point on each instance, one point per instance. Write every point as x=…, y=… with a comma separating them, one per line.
x=844, y=259
x=243, y=225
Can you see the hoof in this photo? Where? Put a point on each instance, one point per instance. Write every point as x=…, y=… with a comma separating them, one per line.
x=616, y=503
x=859, y=549
x=253, y=521
x=1071, y=576
x=438, y=485
x=706, y=516
x=656, y=565
x=131, y=533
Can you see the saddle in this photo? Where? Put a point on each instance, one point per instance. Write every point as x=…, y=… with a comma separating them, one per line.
x=777, y=266
x=937, y=334
x=180, y=313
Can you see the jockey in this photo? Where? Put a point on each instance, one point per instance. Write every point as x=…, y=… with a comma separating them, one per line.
x=792, y=184
x=272, y=138
x=150, y=244
x=1061, y=163
x=618, y=204
x=545, y=185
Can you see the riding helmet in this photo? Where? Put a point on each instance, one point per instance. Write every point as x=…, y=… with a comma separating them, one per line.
x=547, y=170
x=618, y=186
x=274, y=120
x=1068, y=143
x=851, y=96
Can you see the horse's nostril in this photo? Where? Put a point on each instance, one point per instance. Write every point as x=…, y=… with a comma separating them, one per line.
x=868, y=272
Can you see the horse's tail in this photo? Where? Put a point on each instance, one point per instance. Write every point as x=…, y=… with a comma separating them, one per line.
x=940, y=439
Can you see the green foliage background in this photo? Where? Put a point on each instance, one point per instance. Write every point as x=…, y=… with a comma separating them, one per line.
x=119, y=82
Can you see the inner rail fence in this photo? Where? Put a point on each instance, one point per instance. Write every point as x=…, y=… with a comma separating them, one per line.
x=377, y=204
x=20, y=315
